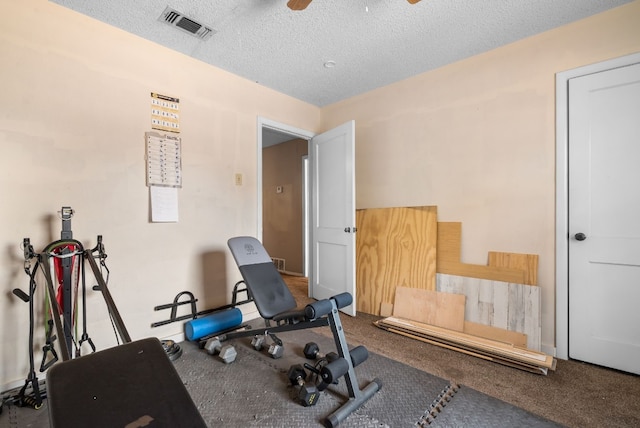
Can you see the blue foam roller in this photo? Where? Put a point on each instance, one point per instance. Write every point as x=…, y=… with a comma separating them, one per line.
x=201, y=327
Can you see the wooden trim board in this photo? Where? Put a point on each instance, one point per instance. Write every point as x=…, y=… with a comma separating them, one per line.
x=486, y=347
x=498, y=348
x=506, y=362
x=494, y=333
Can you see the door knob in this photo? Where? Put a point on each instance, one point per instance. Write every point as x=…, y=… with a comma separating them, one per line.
x=347, y=229
x=580, y=236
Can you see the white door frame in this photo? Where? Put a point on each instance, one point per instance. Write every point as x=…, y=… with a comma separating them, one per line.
x=562, y=193
x=296, y=133
x=306, y=239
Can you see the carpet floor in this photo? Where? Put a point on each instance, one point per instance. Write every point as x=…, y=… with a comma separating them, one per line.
x=576, y=394
x=254, y=391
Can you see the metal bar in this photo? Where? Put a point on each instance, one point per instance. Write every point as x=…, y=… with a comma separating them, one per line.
x=357, y=397
x=172, y=320
x=65, y=214
x=67, y=296
x=111, y=305
x=343, y=349
x=194, y=313
x=175, y=304
x=320, y=322
x=62, y=242
x=193, y=316
x=55, y=308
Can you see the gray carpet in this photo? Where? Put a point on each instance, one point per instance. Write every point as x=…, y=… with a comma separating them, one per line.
x=254, y=391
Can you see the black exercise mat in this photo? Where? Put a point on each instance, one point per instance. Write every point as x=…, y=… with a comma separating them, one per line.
x=254, y=391
x=470, y=408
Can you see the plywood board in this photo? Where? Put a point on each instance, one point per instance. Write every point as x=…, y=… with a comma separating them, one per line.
x=444, y=310
x=513, y=307
x=394, y=247
x=449, y=242
x=528, y=263
x=448, y=258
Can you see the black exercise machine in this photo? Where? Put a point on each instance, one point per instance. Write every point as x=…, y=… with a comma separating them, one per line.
x=62, y=264
x=133, y=384
x=277, y=305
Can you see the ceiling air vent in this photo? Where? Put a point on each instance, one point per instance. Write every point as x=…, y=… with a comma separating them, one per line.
x=177, y=19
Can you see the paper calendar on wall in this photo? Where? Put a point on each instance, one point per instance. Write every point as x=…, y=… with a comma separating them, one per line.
x=165, y=113
x=164, y=162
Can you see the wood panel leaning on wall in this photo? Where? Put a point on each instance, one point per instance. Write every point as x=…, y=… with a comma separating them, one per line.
x=408, y=265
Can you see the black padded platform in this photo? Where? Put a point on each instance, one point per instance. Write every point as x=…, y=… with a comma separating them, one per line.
x=130, y=385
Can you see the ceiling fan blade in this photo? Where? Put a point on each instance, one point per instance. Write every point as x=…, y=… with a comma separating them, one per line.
x=298, y=4
x=413, y=1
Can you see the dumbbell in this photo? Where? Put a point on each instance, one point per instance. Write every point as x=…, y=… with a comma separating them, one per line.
x=226, y=353
x=308, y=395
x=336, y=367
x=276, y=350
x=331, y=372
x=358, y=355
x=258, y=342
x=311, y=351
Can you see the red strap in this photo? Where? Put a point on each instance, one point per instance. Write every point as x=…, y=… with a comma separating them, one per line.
x=57, y=265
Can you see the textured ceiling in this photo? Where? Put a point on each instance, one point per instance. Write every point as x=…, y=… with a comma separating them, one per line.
x=372, y=42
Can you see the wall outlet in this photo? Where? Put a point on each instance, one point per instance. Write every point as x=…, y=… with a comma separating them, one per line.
x=238, y=179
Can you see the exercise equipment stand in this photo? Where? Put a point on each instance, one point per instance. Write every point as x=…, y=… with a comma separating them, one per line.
x=61, y=305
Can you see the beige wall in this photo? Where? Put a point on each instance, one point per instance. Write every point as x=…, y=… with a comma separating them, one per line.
x=282, y=212
x=477, y=139
x=74, y=108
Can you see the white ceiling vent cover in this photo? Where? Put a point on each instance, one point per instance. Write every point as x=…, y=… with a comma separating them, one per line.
x=178, y=20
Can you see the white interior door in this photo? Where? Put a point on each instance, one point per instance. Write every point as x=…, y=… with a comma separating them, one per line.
x=604, y=218
x=333, y=214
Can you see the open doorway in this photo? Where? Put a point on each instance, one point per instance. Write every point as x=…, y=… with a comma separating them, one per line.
x=331, y=213
x=283, y=195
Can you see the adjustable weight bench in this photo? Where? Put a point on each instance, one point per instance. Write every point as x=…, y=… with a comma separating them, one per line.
x=276, y=304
